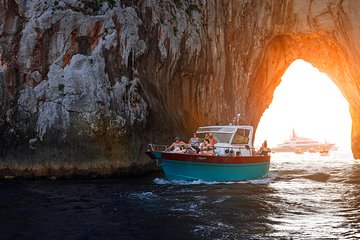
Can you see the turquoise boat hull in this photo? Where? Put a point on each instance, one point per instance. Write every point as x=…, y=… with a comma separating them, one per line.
x=211, y=168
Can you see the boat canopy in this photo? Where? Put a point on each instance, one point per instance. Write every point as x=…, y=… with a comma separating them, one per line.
x=223, y=129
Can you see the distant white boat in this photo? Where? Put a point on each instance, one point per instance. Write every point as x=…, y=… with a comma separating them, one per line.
x=301, y=144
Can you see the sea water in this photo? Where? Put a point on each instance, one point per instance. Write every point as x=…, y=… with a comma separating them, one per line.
x=303, y=197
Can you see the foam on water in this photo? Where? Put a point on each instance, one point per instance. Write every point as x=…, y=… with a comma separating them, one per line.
x=161, y=181
x=187, y=190
x=192, y=207
x=144, y=195
x=221, y=199
x=213, y=227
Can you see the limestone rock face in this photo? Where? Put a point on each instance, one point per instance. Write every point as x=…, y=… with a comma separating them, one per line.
x=84, y=85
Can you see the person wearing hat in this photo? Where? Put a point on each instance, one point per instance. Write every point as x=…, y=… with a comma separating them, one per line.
x=177, y=146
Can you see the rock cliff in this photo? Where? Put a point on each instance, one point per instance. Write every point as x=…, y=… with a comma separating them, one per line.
x=84, y=85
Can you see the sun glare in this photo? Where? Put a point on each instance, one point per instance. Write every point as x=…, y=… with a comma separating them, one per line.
x=307, y=101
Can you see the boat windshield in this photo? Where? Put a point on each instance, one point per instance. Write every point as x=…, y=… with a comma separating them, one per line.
x=223, y=137
x=220, y=137
x=222, y=134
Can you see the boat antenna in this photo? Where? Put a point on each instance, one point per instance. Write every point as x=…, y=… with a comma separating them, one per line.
x=236, y=120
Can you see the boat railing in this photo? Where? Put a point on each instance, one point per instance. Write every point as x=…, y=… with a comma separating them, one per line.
x=237, y=147
x=164, y=147
x=229, y=150
x=157, y=147
x=238, y=150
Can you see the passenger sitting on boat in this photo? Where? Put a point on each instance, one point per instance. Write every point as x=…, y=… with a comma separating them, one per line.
x=177, y=146
x=204, y=143
x=205, y=151
x=190, y=150
x=264, y=150
x=195, y=143
x=206, y=140
x=210, y=152
x=212, y=139
x=210, y=144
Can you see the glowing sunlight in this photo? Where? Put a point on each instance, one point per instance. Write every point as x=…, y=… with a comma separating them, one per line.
x=307, y=101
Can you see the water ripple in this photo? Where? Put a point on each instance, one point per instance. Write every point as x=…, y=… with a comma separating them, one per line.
x=303, y=197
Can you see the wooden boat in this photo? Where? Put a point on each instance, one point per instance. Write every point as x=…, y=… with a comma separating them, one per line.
x=233, y=159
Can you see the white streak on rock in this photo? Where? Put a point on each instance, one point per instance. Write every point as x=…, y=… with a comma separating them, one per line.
x=129, y=38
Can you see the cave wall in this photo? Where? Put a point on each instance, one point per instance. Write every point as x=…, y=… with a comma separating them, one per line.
x=84, y=85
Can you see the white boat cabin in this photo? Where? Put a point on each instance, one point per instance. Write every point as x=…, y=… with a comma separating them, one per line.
x=232, y=140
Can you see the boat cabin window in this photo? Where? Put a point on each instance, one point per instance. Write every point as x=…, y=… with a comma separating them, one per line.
x=241, y=136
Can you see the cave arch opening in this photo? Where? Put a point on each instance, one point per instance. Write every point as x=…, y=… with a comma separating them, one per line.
x=309, y=102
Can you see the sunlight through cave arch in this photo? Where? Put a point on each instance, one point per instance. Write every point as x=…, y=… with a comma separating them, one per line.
x=309, y=102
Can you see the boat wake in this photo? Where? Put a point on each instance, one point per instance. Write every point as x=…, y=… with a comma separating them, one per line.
x=265, y=180
x=162, y=181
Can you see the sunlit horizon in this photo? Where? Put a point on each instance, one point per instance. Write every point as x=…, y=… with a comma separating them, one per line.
x=309, y=102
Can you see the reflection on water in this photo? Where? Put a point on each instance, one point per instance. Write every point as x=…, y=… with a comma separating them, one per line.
x=304, y=196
